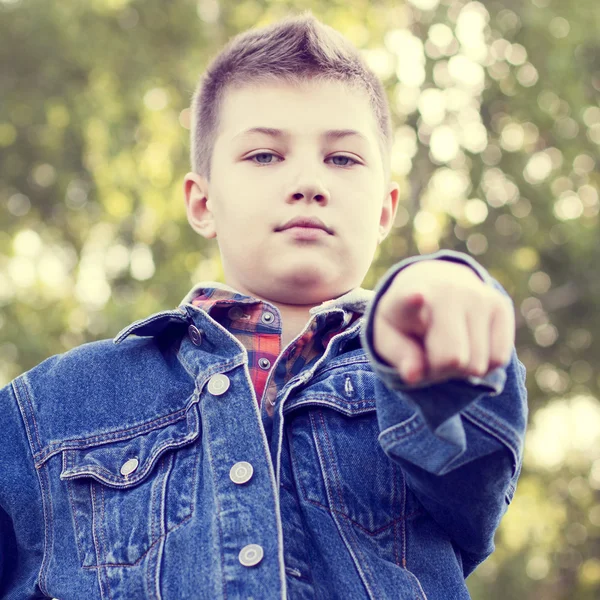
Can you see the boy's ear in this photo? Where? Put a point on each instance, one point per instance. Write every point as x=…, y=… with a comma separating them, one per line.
x=198, y=206
x=388, y=210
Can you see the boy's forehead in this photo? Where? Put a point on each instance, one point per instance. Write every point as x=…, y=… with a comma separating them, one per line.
x=327, y=108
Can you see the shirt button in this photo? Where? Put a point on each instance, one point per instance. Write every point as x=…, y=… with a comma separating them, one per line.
x=264, y=363
x=195, y=335
x=251, y=555
x=129, y=466
x=267, y=317
x=241, y=472
x=235, y=313
x=218, y=384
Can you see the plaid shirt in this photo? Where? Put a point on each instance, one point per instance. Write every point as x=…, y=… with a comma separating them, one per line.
x=258, y=327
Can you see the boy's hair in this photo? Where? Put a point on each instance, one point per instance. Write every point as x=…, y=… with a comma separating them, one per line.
x=292, y=50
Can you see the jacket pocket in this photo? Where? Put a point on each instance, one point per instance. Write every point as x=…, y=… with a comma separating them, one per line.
x=127, y=493
x=336, y=459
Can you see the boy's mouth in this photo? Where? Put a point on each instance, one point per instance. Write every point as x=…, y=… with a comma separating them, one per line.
x=305, y=223
x=305, y=233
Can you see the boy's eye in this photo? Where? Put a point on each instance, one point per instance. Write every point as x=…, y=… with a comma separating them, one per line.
x=344, y=158
x=266, y=158
x=258, y=158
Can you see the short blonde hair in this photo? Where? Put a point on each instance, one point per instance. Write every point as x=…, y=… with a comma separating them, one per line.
x=292, y=50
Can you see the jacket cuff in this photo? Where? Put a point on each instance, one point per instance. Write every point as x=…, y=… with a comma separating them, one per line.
x=436, y=402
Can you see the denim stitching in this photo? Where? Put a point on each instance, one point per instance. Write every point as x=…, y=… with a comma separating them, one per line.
x=195, y=462
x=32, y=416
x=167, y=531
x=104, y=549
x=334, y=511
x=101, y=519
x=327, y=398
x=394, y=468
x=48, y=528
x=484, y=415
x=98, y=471
x=152, y=519
x=158, y=539
x=26, y=411
x=120, y=435
x=398, y=432
x=163, y=519
x=218, y=511
x=412, y=579
x=331, y=458
x=345, y=362
x=137, y=562
x=330, y=509
x=153, y=499
x=78, y=530
x=338, y=525
x=349, y=537
x=95, y=538
x=297, y=470
x=418, y=511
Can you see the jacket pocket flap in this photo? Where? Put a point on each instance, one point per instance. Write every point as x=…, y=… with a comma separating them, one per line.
x=124, y=463
x=349, y=391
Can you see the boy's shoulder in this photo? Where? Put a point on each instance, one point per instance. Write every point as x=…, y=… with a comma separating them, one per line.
x=100, y=389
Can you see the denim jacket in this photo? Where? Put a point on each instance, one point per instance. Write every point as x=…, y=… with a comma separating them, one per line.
x=143, y=467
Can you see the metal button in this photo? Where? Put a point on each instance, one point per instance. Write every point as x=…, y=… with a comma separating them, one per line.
x=251, y=555
x=129, y=466
x=218, y=384
x=235, y=313
x=264, y=363
x=267, y=317
x=195, y=335
x=241, y=472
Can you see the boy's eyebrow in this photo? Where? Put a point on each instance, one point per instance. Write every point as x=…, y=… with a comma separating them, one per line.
x=334, y=134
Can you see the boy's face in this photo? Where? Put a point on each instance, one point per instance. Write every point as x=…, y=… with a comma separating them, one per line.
x=261, y=180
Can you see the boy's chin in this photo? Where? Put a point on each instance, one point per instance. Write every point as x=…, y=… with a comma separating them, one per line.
x=302, y=287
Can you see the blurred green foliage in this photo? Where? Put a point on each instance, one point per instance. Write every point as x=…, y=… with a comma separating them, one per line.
x=497, y=130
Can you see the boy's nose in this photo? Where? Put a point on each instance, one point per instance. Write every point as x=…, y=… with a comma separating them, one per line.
x=317, y=197
x=311, y=192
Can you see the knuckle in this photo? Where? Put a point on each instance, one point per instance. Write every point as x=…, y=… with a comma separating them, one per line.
x=452, y=362
x=503, y=304
x=479, y=369
x=500, y=358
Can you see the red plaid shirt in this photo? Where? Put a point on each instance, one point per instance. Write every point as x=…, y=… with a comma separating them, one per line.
x=258, y=327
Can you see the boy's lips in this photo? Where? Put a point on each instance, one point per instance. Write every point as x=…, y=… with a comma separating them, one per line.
x=305, y=233
x=306, y=222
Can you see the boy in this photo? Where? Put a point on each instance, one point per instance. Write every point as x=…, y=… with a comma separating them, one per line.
x=287, y=433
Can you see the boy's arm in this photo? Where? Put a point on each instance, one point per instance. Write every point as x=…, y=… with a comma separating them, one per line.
x=451, y=398
x=21, y=513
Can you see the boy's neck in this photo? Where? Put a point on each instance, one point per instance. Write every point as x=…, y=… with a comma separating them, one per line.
x=294, y=317
x=293, y=321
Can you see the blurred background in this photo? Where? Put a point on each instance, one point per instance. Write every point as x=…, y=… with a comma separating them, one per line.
x=497, y=133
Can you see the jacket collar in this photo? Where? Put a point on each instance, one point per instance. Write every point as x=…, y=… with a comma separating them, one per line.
x=356, y=300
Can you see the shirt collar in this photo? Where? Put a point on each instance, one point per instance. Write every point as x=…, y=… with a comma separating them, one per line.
x=355, y=300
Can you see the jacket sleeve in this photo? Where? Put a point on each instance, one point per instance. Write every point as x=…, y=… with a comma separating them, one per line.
x=21, y=512
x=459, y=443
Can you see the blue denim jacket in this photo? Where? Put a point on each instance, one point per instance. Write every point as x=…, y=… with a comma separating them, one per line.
x=142, y=467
